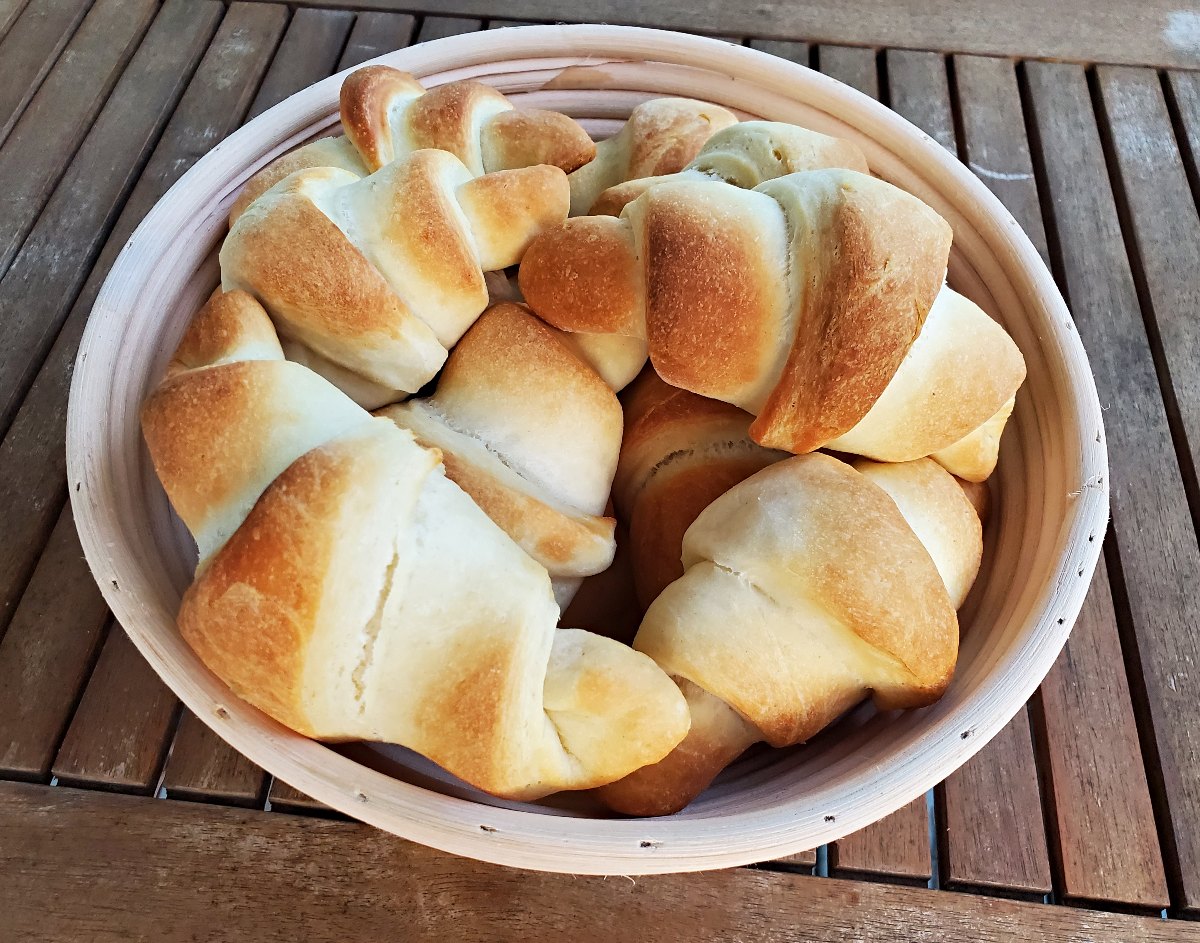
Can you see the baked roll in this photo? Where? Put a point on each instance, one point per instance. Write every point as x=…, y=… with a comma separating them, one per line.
x=808, y=587
x=387, y=114
x=350, y=590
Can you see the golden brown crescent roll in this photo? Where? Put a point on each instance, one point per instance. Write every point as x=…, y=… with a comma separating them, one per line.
x=679, y=453
x=808, y=587
x=350, y=590
x=745, y=155
x=532, y=433
x=798, y=301
x=660, y=137
x=371, y=281
x=387, y=113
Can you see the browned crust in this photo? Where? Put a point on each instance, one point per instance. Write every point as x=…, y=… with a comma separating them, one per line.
x=666, y=508
x=668, y=134
x=584, y=276
x=548, y=535
x=442, y=118
x=887, y=254
x=538, y=197
x=613, y=200
x=526, y=138
x=713, y=295
x=422, y=227
x=366, y=97
x=251, y=613
x=228, y=322
x=305, y=269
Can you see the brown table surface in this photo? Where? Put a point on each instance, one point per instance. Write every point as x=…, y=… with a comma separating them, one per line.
x=123, y=818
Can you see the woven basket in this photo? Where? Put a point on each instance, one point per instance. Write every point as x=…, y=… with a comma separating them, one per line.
x=1050, y=488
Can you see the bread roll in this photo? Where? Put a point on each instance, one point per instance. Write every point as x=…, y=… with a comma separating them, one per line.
x=387, y=114
x=376, y=278
x=745, y=155
x=532, y=433
x=807, y=588
x=352, y=591
x=660, y=137
x=680, y=452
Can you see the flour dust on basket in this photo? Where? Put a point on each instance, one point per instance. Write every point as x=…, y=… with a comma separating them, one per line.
x=799, y=467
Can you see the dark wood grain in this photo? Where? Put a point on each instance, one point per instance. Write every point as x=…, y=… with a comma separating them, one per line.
x=374, y=34
x=119, y=734
x=49, y=130
x=1103, y=819
x=201, y=766
x=78, y=865
x=993, y=834
x=309, y=52
x=70, y=230
x=849, y=64
x=46, y=655
x=1151, y=524
x=29, y=49
x=784, y=49
x=32, y=454
x=802, y=859
x=285, y=798
x=439, y=27
x=896, y=847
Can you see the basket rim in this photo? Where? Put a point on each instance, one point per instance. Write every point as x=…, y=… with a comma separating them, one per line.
x=585, y=845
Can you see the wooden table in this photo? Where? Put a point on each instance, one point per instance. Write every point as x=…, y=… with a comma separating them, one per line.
x=1081, y=821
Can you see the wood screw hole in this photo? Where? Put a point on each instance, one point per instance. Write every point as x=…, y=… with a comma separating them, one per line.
x=831, y=818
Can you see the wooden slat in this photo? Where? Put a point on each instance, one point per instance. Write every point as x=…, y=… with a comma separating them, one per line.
x=1154, y=32
x=202, y=766
x=90, y=193
x=1151, y=522
x=438, y=27
x=29, y=49
x=1104, y=822
x=896, y=847
x=9, y=11
x=285, y=798
x=119, y=734
x=920, y=91
x=1185, y=96
x=849, y=64
x=374, y=34
x=993, y=835
x=803, y=859
x=32, y=454
x=500, y=24
x=56, y=120
x=793, y=51
x=1165, y=230
x=46, y=655
x=309, y=52
x=78, y=865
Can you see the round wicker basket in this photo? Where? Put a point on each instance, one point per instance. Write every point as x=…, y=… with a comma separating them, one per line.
x=1050, y=490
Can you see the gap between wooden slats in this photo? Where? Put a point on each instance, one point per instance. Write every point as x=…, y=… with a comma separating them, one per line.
x=9, y=11
x=1152, y=554
x=62, y=850
x=317, y=43
x=30, y=48
x=218, y=95
x=50, y=129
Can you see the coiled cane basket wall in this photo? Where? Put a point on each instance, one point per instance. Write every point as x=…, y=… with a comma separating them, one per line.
x=1050, y=492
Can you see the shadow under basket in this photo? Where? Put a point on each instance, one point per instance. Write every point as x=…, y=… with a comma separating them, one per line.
x=1050, y=490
